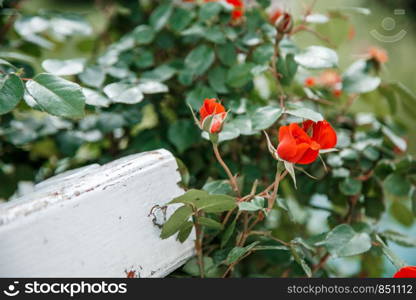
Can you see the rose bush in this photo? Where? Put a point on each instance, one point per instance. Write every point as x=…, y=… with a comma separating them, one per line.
x=140, y=84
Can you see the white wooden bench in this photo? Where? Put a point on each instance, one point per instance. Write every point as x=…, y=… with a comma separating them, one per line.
x=95, y=222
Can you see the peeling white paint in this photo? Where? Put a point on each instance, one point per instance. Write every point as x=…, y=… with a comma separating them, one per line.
x=94, y=222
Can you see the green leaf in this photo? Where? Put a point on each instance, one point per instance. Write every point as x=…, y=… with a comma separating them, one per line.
x=94, y=98
x=57, y=96
x=374, y=207
x=357, y=80
x=407, y=98
x=216, y=79
x=397, y=185
x=216, y=203
x=143, y=34
x=290, y=169
x=210, y=269
x=303, y=112
x=64, y=67
x=239, y=75
x=196, y=96
x=298, y=255
x=228, y=132
x=395, y=260
x=215, y=34
x=402, y=213
x=93, y=76
x=389, y=94
x=228, y=233
x=263, y=54
x=395, y=139
x=317, y=18
x=161, y=73
x=399, y=238
x=238, y=252
x=190, y=197
x=258, y=203
x=317, y=57
x=343, y=240
x=270, y=247
x=176, y=221
x=200, y=59
x=69, y=24
x=152, y=87
x=218, y=187
x=209, y=10
x=287, y=68
x=6, y=63
x=384, y=168
x=210, y=223
x=227, y=54
x=185, y=231
x=180, y=19
x=244, y=124
x=265, y=116
x=183, y=134
x=160, y=16
x=11, y=92
x=350, y=186
x=123, y=93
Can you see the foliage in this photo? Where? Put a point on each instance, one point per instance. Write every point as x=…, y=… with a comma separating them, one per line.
x=130, y=91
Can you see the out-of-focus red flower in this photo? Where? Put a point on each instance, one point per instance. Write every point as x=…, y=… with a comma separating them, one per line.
x=351, y=32
x=238, y=5
x=238, y=11
x=378, y=54
x=337, y=93
x=214, y=112
x=299, y=147
x=310, y=81
x=330, y=78
x=236, y=14
x=406, y=272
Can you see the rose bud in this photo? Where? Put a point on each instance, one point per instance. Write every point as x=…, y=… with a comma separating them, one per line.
x=212, y=116
x=282, y=21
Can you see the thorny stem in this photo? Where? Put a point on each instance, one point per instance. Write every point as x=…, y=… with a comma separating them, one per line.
x=277, y=179
x=303, y=27
x=270, y=236
x=321, y=263
x=233, y=181
x=198, y=245
x=231, y=266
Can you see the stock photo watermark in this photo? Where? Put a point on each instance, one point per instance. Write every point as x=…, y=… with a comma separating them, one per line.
x=70, y=289
x=390, y=27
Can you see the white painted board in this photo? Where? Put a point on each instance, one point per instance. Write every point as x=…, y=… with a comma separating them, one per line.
x=94, y=222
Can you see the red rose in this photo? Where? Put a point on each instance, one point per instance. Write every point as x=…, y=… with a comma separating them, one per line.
x=297, y=146
x=238, y=11
x=236, y=14
x=213, y=112
x=406, y=272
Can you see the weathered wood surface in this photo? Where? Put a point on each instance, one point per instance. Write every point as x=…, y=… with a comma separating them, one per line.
x=94, y=222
